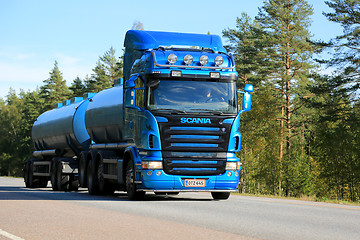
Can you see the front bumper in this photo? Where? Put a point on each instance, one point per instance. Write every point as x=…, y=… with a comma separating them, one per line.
x=159, y=181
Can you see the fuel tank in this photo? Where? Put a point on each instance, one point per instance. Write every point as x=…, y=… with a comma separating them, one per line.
x=62, y=129
x=104, y=118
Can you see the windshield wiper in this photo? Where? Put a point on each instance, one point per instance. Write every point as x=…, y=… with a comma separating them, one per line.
x=177, y=111
x=215, y=112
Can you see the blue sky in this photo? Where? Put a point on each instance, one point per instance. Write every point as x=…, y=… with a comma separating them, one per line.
x=35, y=33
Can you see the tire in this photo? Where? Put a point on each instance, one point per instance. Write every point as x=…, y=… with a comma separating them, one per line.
x=53, y=177
x=26, y=174
x=31, y=179
x=220, y=195
x=62, y=179
x=92, y=178
x=83, y=169
x=131, y=185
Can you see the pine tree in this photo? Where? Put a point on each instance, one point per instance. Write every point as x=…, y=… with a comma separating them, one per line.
x=259, y=126
x=337, y=104
x=246, y=45
x=107, y=69
x=336, y=140
x=285, y=24
x=77, y=88
x=346, y=57
x=55, y=89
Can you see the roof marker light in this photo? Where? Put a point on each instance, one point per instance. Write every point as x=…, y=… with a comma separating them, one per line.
x=204, y=60
x=219, y=60
x=188, y=59
x=172, y=58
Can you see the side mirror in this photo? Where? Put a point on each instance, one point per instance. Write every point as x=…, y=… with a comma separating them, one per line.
x=246, y=101
x=131, y=82
x=249, y=88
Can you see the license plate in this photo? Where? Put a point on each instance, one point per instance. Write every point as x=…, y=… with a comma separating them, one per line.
x=194, y=182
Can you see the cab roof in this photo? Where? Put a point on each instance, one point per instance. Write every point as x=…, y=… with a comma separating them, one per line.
x=143, y=40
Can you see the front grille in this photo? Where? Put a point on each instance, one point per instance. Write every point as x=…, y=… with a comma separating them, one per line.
x=193, y=164
x=194, y=149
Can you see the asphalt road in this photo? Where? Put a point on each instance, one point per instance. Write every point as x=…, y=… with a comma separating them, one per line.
x=44, y=214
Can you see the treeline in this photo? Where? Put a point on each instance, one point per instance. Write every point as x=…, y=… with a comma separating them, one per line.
x=301, y=137
x=19, y=111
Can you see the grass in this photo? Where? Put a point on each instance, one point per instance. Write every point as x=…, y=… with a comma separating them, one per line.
x=302, y=198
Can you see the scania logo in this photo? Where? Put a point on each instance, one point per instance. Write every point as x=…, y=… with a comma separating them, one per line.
x=195, y=120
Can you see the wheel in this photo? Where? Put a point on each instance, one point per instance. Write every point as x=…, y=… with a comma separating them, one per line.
x=82, y=170
x=26, y=174
x=62, y=179
x=220, y=195
x=53, y=177
x=92, y=179
x=131, y=185
x=32, y=183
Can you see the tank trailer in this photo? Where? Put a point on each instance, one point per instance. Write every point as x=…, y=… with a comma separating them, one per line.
x=171, y=125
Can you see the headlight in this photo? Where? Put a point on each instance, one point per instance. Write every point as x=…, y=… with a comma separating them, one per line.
x=188, y=59
x=204, y=60
x=172, y=58
x=152, y=165
x=219, y=60
x=232, y=166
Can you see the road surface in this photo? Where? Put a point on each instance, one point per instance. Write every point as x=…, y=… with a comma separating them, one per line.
x=45, y=214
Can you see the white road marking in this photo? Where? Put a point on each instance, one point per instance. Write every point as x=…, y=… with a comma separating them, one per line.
x=9, y=235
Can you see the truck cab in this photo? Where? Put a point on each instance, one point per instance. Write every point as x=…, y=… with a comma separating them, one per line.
x=182, y=113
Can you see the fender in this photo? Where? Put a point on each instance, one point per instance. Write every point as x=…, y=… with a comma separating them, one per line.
x=235, y=132
x=133, y=152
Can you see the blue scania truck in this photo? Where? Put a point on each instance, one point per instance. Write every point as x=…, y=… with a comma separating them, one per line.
x=172, y=124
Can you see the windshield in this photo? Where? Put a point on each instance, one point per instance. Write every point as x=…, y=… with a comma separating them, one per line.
x=192, y=96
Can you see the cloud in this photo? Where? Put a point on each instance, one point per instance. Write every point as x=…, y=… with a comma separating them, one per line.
x=66, y=60
x=23, y=56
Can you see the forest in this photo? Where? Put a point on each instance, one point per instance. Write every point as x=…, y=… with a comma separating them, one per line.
x=301, y=138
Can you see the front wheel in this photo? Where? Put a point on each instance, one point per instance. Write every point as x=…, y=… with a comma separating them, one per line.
x=220, y=195
x=131, y=185
x=27, y=178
